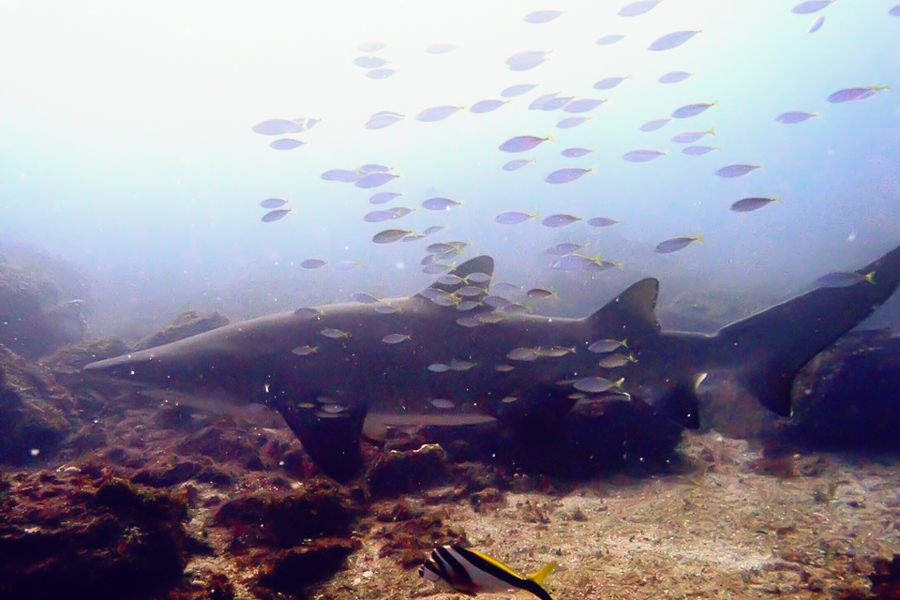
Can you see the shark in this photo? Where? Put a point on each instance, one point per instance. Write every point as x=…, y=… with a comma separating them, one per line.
x=451, y=354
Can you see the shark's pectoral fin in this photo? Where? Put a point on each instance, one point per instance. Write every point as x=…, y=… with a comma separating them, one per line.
x=330, y=439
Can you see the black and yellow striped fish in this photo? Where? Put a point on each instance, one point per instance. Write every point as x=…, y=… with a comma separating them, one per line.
x=471, y=573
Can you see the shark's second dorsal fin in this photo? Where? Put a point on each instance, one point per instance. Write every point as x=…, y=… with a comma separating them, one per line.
x=635, y=307
x=479, y=264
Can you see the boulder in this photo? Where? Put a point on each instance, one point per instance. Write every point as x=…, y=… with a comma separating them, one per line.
x=848, y=397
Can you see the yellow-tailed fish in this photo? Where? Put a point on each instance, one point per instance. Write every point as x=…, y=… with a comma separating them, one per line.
x=471, y=573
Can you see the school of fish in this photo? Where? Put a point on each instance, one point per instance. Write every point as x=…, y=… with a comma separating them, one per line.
x=370, y=176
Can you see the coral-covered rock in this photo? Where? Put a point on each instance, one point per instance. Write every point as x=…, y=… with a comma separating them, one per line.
x=477, y=476
x=65, y=536
x=464, y=442
x=414, y=534
x=487, y=500
x=397, y=511
x=886, y=578
x=290, y=540
x=90, y=437
x=222, y=445
x=216, y=476
x=290, y=571
x=205, y=584
x=35, y=414
x=283, y=520
x=74, y=357
x=167, y=471
x=90, y=392
x=187, y=324
x=403, y=472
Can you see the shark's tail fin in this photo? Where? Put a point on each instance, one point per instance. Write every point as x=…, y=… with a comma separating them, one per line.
x=779, y=341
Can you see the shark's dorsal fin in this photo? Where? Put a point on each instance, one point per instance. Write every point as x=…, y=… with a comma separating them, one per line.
x=479, y=264
x=635, y=307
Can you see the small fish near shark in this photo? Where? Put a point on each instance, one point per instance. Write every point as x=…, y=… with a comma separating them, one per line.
x=336, y=370
x=471, y=573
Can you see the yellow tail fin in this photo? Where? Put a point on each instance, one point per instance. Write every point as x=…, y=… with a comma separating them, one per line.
x=541, y=574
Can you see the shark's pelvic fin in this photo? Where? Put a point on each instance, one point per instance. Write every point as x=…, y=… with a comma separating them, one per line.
x=770, y=347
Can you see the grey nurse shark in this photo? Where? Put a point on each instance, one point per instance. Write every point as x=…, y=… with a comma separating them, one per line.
x=331, y=371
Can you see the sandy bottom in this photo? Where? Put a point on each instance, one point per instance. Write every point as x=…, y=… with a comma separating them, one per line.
x=724, y=530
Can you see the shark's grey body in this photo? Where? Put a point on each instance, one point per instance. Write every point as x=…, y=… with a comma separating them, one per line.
x=326, y=395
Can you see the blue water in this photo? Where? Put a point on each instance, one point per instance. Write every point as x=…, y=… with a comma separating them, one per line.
x=126, y=144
